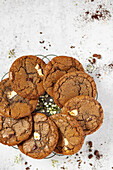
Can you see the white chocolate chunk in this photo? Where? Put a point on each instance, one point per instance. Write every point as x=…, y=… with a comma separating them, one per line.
x=36, y=136
x=11, y=94
x=74, y=112
x=40, y=72
x=65, y=148
x=66, y=141
x=37, y=67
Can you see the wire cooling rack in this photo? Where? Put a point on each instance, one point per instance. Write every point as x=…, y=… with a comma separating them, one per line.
x=46, y=59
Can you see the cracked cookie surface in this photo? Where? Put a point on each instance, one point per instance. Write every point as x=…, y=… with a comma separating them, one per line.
x=73, y=84
x=56, y=68
x=87, y=111
x=71, y=135
x=43, y=139
x=14, y=131
x=13, y=105
x=26, y=76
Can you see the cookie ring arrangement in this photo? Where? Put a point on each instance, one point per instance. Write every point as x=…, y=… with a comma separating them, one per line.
x=30, y=119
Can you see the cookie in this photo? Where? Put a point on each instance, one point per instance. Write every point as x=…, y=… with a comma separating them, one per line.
x=26, y=76
x=43, y=140
x=56, y=68
x=11, y=104
x=14, y=131
x=87, y=111
x=73, y=84
x=71, y=135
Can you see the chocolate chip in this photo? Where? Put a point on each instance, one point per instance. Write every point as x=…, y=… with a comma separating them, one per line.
x=90, y=156
x=81, y=152
x=76, y=154
x=40, y=32
x=25, y=163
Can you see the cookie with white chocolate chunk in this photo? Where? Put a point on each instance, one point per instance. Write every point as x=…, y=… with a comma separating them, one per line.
x=43, y=139
x=71, y=136
x=14, y=131
x=26, y=76
x=11, y=104
x=87, y=111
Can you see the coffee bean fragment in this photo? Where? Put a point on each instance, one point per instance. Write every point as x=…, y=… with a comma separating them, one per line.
x=90, y=144
x=90, y=156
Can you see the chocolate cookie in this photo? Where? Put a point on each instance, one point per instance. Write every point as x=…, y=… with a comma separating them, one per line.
x=43, y=140
x=73, y=84
x=56, y=68
x=87, y=111
x=26, y=76
x=13, y=105
x=71, y=135
x=14, y=131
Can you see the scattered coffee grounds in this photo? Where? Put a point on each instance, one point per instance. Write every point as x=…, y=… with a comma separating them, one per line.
x=50, y=45
x=112, y=167
x=81, y=152
x=92, y=0
x=101, y=13
x=41, y=42
x=90, y=150
x=40, y=32
x=92, y=61
x=72, y=47
x=25, y=163
x=62, y=167
x=97, y=154
x=90, y=156
x=90, y=164
x=111, y=66
x=98, y=75
x=97, y=56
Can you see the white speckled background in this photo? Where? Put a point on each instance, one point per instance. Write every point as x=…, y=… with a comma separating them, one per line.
x=62, y=25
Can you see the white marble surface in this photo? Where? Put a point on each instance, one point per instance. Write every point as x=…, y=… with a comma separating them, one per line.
x=21, y=22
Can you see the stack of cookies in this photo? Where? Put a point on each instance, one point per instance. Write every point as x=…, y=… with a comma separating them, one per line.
x=74, y=91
